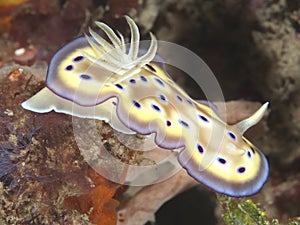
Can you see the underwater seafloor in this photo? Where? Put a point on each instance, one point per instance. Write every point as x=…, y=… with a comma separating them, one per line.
x=253, y=48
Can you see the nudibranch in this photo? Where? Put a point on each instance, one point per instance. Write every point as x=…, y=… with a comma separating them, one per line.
x=91, y=77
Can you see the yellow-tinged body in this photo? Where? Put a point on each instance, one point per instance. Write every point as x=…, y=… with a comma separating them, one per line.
x=135, y=95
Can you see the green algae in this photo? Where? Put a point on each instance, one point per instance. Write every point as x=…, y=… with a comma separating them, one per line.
x=240, y=211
